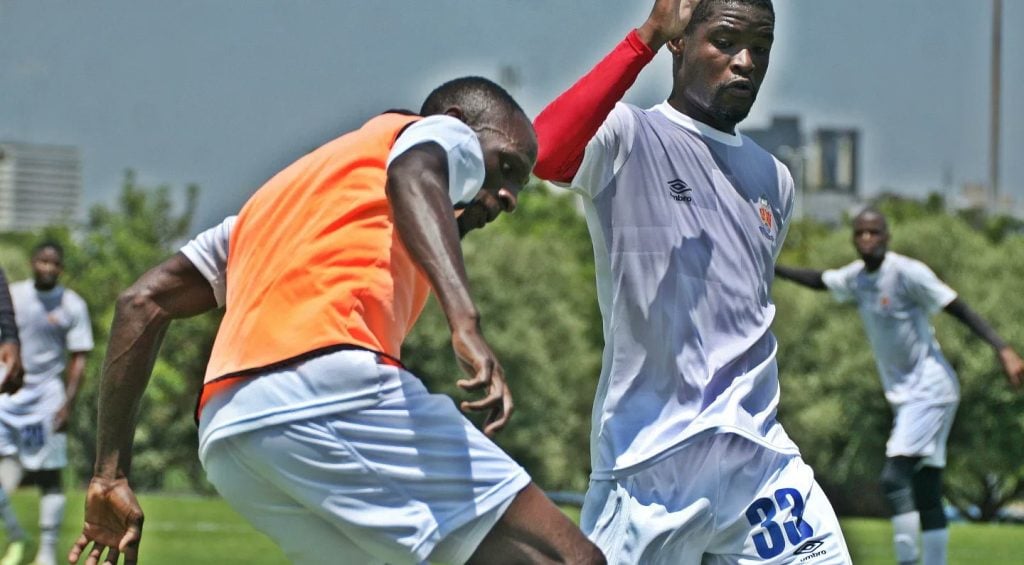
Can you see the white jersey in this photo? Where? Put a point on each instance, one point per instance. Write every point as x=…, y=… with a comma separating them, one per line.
x=686, y=223
x=52, y=323
x=280, y=400
x=896, y=302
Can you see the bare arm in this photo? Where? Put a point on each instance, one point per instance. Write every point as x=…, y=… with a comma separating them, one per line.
x=73, y=382
x=1010, y=360
x=806, y=277
x=418, y=190
x=174, y=289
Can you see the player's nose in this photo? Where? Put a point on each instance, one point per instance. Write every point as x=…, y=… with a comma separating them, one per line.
x=508, y=199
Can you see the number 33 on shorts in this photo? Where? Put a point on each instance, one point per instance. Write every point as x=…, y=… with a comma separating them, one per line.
x=770, y=537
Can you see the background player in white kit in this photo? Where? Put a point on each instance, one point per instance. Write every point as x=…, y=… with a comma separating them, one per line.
x=687, y=216
x=896, y=296
x=56, y=336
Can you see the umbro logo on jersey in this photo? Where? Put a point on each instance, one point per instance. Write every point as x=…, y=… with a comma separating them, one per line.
x=680, y=191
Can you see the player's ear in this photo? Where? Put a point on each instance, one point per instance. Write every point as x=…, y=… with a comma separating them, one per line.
x=676, y=45
x=456, y=112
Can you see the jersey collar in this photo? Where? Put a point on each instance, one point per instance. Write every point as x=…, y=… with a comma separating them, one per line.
x=700, y=128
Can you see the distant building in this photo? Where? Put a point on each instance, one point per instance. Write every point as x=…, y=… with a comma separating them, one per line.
x=825, y=168
x=39, y=185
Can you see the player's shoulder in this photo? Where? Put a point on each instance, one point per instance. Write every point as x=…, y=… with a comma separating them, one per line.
x=70, y=298
x=904, y=263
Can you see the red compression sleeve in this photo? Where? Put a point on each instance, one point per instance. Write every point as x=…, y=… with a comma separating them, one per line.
x=568, y=123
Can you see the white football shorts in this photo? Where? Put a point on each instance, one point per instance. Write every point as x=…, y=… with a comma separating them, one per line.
x=719, y=499
x=26, y=426
x=403, y=479
x=921, y=430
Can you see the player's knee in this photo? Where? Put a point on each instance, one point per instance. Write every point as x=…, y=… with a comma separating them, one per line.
x=896, y=481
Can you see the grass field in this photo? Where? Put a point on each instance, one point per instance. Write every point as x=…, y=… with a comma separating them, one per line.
x=205, y=530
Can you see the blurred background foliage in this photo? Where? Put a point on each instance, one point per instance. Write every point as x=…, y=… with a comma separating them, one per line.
x=532, y=274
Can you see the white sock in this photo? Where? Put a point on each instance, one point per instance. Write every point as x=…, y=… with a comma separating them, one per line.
x=10, y=473
x=906, y=528
x=14, y=530
x=51, y=514
x=935, y=543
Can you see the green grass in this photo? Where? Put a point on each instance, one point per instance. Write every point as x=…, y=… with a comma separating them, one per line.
x=182, y=529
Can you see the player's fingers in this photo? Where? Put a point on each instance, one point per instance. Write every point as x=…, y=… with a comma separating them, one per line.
x=500, y=416
x=481, y=379
x=492, y=400
x=112, y=556
x=95, y=554
x=130, y=544
x=78, y=548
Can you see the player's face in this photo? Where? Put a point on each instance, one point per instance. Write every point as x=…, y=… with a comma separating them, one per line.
x=723, y=63
x=870, y=236
x=47, y=267
x=510, y=151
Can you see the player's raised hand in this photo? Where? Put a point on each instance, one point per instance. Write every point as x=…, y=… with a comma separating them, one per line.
x=1013, y=365
x=477, y=360
x=113, y=524
x=667, y=21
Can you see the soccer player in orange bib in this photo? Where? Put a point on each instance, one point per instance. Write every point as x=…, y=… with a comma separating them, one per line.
x=309, y=425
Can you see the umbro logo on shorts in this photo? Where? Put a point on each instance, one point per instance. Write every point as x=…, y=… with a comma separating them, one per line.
x=680, y=191
x=810, y=550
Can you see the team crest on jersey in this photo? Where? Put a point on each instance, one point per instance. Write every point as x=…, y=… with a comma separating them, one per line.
x=767, y=218
x=680, y=191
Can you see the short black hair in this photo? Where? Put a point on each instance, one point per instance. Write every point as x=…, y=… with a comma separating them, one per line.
x=476, y=96
x=872, y=211
x=49, y=244
x=702, y=12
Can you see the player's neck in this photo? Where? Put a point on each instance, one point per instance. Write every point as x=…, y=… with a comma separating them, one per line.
x=695, y=112
x=873, y=263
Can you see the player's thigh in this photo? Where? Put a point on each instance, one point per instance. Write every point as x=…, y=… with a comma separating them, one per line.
x=920, y=430
x=534, y=530
x=302, y=535
x=789, y=520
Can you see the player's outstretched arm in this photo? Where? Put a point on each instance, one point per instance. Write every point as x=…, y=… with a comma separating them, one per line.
x=1008, y=358
x=10, y=346
x=806, y=277
x=113, y=517
x=418, y=190
x=568, y=123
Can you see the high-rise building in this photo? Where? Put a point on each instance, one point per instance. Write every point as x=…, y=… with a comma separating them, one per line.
x=39, y=185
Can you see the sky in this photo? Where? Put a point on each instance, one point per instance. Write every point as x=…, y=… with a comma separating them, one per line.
x=224, y=94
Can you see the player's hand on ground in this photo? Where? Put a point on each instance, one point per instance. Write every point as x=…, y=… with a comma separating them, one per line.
x=1013, y=365
x=113, y=524
x=667, y=21
x=486, y=375
x=10, y=357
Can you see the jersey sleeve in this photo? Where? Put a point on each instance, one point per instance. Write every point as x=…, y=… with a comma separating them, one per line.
x=925, y=288
x=606, y=152
x=568, y=124
x=466, y=170
x=787, y=192
x=79, y=336
x=840, y=282
x=209, y=253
